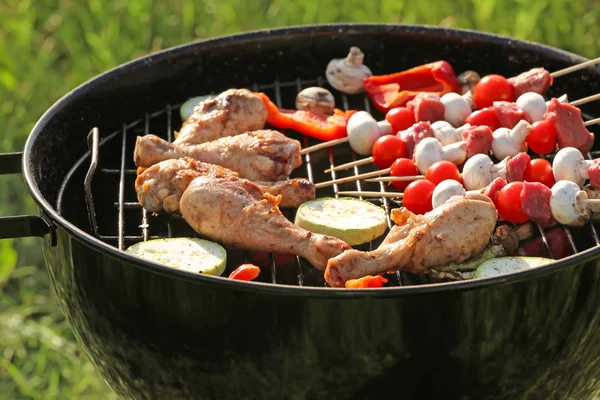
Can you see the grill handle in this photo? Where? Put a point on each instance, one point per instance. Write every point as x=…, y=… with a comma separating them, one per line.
x=22, y=225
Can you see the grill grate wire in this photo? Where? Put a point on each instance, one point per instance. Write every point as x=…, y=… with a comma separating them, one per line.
x=123, y=207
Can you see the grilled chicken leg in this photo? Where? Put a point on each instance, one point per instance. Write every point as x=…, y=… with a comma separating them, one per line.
x=232, y=112
x=235, y=212
x=263, y=155
x=453, y=232
x=160, y=187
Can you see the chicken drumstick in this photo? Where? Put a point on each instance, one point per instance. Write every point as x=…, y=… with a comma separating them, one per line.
x=453, y=232
x=236, y=212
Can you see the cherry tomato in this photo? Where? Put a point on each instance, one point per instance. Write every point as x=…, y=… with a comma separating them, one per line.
x=368, y=281
x=486, y=116
x=245, y=272
x=442, y=170
x=508, y=203
x=400, y=118
x=539, y=170
x=403, y=167
x=493, y=88
x=417, y=196
x=542, y=138
x=388, y=149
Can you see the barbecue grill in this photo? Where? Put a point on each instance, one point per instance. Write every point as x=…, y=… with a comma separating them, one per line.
x=156, y=332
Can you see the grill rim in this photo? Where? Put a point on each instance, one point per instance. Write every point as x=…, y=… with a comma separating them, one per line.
x=28, y=163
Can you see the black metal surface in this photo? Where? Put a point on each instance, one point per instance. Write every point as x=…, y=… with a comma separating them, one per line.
x=10, y=163
x=155, y=332
x=23, y=226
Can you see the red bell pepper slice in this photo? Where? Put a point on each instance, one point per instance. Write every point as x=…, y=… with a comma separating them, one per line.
x=245, y=272
x=368, y=281
x=395, y=90
x=318, y=126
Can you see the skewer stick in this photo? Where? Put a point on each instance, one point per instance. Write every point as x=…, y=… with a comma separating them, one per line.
x=350, y=164
x=585, y=100
x=574, y=68
x=353, y=178
x=373, y=194
x=592, y=122
x=396, y=178
x=588, y=201
x=323, y=145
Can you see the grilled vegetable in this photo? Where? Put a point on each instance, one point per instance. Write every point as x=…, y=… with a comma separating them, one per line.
x=507, y=265
x=187, y=108
x=188, y=254
x=245, y=272
x=347, y=74
x=351, y=220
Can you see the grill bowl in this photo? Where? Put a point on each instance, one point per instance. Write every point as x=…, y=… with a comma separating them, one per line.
x=154, y=332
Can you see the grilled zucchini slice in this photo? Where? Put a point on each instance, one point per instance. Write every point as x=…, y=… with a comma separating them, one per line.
x=507, y=265
x=188, y=254
x=352, y=220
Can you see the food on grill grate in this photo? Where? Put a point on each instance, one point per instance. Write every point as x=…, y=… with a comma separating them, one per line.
x=160, y=187
x=232, y=112
x=507, y=265
x=537, y=80
x=187, y=254
x=428, y=107
x=363, y=131
x=569, y=164
x=570, y=128
x=315, y=99
x=245, y=272
x=347, y=74
x=454, y=232
x=236, y=212
x=187, y=108
x=351, y=220
x=263, y=155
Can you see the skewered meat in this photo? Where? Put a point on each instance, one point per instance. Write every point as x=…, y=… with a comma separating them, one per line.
x=509, y=114
x=263, y=155
x=516, y=166
x=413, y=135
x=236, y=212
x=535, y=201
x=536, y=80
x=570, y=128
x=161, y=186
x=232, y=112
x=479, y=140
x=459, y=229
x=427, y=107
x=493, y=188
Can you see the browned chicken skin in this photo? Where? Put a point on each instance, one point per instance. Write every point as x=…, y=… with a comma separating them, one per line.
x=160, y=187
x=263, y=155
x=235, y=212
x=456, y=231
x=232, y=112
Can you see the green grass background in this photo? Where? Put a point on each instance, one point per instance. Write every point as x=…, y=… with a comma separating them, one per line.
x=47, y=47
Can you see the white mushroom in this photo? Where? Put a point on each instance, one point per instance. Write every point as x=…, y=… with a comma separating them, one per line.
x=315, y=99
x=479, y=171
x=567, y=204
x=363, y=131
x=430, y=150
x=533, y=104
x=445, y=133
x=509, y=143
x=347, y=74
x=446, y=189
x=456, y=108
x=470, y=100
x=570, y=165
x=468, y=80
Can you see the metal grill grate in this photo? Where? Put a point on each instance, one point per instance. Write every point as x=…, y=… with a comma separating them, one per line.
x=304, y=274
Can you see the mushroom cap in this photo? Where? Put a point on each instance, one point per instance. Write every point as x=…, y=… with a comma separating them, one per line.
x=477, y=172
x=565, y=165
x=427, y=152
x=315, y=99
x=363, y=132
x=456, y=108
x=533, y=104
x=503, y=144
x=347, y=74
x=445, y=133
x=445, y=190
x=566, y=205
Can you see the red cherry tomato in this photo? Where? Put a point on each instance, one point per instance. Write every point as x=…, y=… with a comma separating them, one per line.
x=493, y=88
x=508, y=203
x=417, y=196
x=388, y=149
x=400, y=118
x=542, y=138
x=484, y=117
x=403, y=167
x=442, y=170
x=539, y=170
x=245, y=272
x=368, y=281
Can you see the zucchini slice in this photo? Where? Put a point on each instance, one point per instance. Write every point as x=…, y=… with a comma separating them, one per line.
x=187, y=108
x=349, y=219
x=507, y=265
x=188, y=254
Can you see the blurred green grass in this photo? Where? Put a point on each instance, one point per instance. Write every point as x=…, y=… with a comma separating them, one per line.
x=47, y=47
